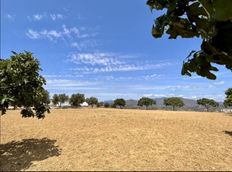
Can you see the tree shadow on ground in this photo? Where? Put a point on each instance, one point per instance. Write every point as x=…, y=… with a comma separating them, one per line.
x=18, y=155
x=228, y=132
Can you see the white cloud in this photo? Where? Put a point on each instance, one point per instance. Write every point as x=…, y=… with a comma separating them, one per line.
x=105, y=59
x=10, y=17
x=65, y=84
x=219, y=83
x=121, y=68
x=161, y=95
x=56, y=16
x=62, y=76
x=82, y=45
x=39, y=17
x=54, y=34
x=32, y=34
x=152, y=77
x=163, y=87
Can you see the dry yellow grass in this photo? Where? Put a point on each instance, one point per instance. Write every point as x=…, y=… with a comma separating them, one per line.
x=111, y=139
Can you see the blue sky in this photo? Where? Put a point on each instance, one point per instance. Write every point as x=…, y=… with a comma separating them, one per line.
x=103, y=48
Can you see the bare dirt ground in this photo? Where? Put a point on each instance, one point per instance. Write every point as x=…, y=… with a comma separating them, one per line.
x=115, y=139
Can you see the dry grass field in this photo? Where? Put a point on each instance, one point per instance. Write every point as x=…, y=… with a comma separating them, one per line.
x=115, y=139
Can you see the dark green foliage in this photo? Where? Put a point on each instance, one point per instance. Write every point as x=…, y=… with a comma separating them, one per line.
x=207, y=103
x=106, y=105
x=77, y=99
x=113, y=106
x=100, y=104
x=21, y=85
x=228, y=100
x=145, y=101
x=92, y=101
x=208, y=19
x=120, y=102
x=55, y=99
x=59, y=99
x=174, y=102
x=62, y=98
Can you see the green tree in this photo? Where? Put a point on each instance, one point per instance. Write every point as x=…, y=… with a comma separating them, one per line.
x=92, y=101
x=100, y=104
x=174, y=102
x=145, y=101
x=208, y=19
x=228, y=100
x=62, y=98
x=106, y=105
x=22, y=85
x=55, y=99
x=120, y=102
x=113, y=105
x=207, y=103
x=45, y=97
x=77, y=99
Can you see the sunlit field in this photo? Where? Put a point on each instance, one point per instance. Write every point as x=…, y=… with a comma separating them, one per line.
x=116, y=139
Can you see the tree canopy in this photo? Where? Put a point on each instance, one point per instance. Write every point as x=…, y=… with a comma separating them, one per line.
x=77, y=99
x=145, y=101
x=106, y=105
x=207, y=103
x=209, y=19
x=92, y=101
x=174, y=102
x=55, y=99
x=59, y=99
x=228, y=100
x=21, y=85
x=119, y=102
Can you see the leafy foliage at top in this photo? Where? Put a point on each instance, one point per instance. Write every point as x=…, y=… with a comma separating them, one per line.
x=77, y=99
x=92, y=101
x=59, y=98
x=21, y=85
x=228, y=100
x=145, y=101
x=209, y=19
x=174, y=102
x=207, y=103
x=119, y=102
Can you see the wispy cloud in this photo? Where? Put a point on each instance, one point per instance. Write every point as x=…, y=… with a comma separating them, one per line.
x=219, y=83
x=10, y=17
x=82, y=45
x=39, y=17
x=161, y=95
x=121, y=68
x=72, y=32
x=65, y=84
x=33, y=34
x=105, y=59
x=62, y=76
x=163, y=87
x=56, y=16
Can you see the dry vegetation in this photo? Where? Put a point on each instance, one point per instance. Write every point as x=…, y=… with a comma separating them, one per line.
x=111, y=139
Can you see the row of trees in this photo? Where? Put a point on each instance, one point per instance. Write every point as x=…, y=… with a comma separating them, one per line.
x=178, y=102
x=174, y=102
x=21, y=85
x=75, y=100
